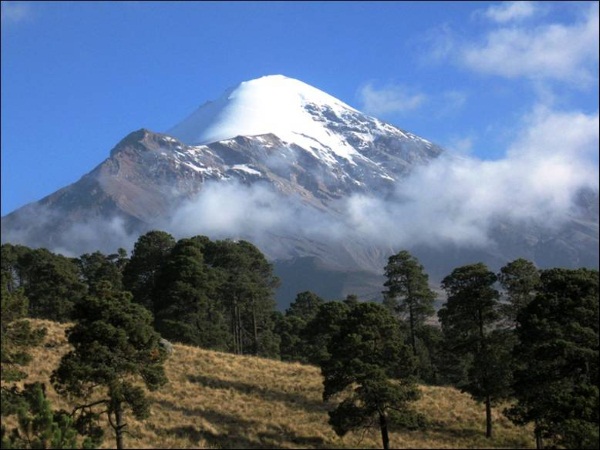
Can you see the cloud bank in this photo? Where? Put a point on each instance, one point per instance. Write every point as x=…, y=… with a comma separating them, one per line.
x=453, y=200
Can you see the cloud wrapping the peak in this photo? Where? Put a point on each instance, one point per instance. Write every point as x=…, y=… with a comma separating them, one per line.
x=453, y=200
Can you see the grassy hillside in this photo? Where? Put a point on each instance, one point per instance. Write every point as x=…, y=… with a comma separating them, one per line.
x=219, y=400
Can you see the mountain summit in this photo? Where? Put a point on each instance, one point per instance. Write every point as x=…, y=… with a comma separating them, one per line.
x=301, y=174
x=297, y=113
x=271, y=104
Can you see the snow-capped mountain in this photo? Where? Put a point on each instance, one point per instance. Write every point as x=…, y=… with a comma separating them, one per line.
x=298, y=114
x=274, y=161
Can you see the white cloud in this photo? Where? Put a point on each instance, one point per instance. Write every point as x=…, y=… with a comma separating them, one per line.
x=510, y=11
x=389, y=99
x=441, y=42
x=552, y=51
x=459, y=199
x=14, y=12
x=453, y=200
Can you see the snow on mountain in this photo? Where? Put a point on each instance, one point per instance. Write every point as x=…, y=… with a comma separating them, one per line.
x=295, y=112
x=294, y=170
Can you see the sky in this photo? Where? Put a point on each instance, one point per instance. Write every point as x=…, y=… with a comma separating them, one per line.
x=484, y=80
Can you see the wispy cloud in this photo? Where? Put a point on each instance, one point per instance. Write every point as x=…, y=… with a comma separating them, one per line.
x=510, y=11
x=459, y=200
x=551, y=51
x=453, y=200
x=392, y=98
x=14, y=12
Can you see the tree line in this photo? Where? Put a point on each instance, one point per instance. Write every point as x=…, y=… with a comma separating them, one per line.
x=524, y=336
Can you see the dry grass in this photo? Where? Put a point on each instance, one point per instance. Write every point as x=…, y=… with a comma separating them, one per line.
x=219, y=400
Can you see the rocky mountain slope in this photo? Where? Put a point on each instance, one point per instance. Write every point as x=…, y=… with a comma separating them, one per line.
x=285, y=165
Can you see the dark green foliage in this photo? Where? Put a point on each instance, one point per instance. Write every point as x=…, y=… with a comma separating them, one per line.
x=96, y=268
x=217, y=295
x=319, y=331
x=50, y=282
x=477, y=356
x=556, y=384
x=290, y=328
x=17, y=333
x=246, y=291
x=305, y=306
x=429, y=342
x=139, y=275
x=113, y=341
x=184, y=299
x=39, y=426
x=408, y=293
x=371, y=367
x=520, y=280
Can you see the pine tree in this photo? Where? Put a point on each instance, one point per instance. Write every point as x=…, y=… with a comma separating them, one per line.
x=408, y=295
x=246, y=290
x=39, y=426
x=113, y=343
x=290, y=327
x=557, y=383
x=50, y=282
x=139, y=274
x=468, y=318
x=370, y=364
x=520, y=280
x=96, y=268
x=185, y=302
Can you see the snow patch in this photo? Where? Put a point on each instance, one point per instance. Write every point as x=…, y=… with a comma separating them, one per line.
x=247, y=169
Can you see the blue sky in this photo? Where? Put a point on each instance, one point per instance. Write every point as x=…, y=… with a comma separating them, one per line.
x=477, y=78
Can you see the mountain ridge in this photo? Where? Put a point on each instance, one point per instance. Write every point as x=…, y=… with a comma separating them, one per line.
x=300, y=198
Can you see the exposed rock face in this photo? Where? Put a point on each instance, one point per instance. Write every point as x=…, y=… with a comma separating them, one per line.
x=166, y=346
x=317, y=153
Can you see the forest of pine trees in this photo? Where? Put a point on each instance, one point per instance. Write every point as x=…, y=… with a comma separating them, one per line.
x=524, y=337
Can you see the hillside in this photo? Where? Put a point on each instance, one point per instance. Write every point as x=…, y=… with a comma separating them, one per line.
x=220, y=400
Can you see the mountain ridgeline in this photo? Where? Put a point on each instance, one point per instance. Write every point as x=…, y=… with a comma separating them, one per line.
x=290, y=168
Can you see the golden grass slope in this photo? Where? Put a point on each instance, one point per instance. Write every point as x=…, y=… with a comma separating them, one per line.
x=220, y=400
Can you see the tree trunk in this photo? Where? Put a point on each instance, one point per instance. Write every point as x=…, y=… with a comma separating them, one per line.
x=412, y=330
x=488, y=417
x=538, y=437
x=240, y=331
x=119, y=426
x=255, y=328
x=234, y=328
x=384, y=431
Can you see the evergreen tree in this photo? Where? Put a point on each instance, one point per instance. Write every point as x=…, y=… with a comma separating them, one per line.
x=556, y=384
x=246, y=289
x=139, y=274
x=289, y=328
x=305, y=306
x=408, y=292
x=318, y=332
x=97, y=268
x=468, y=318
x=370, y=365
x=50, y=282
x=41, y=427
x=17, y=337
x=185, y=298
x=520, y=280
x=113, y=344
x=17, y=334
